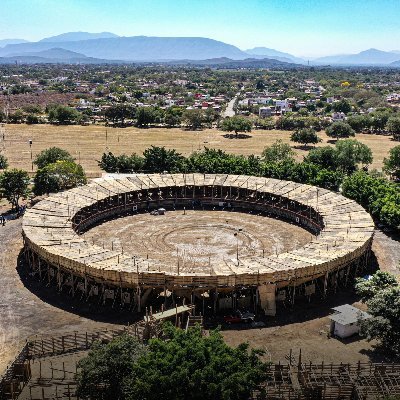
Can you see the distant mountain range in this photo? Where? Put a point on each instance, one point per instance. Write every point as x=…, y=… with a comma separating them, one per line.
x=367, y=57
x=54, y=56
x=224, y=62
x=85, y=47
x=274, y=54
x=77, y=36
x=5, y=42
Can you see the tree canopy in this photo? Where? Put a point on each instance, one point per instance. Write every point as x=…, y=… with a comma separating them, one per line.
x=382, y=296
x=103, y=372
x=393, y=126
x=159, y=159
x=14, y=185
x=63, y=115
x=183, y=365
x=236, y=124
x=345, y=156
x=391, y=165
x=50, y=156
x=325, y=157
x=381, y=280
x=350, y=153
x=339, y=130
x=118, y=113
x=278, y=152
x=379, y=196
x=205, y=367
x=122, y=163
x=193, y=119
x=305, y=136
x=58, y=176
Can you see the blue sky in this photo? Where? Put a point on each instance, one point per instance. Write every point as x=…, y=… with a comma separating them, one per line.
x=301, y=27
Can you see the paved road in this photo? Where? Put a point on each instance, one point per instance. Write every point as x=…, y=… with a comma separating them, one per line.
x=229, y=111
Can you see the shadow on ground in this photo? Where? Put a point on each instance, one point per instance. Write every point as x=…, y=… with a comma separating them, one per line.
x=239, y=136
x=64, y=301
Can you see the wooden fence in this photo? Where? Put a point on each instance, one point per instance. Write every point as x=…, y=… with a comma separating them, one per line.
x=18, y=373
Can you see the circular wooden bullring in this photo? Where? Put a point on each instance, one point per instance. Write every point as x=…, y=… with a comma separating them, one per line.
x=51, y=229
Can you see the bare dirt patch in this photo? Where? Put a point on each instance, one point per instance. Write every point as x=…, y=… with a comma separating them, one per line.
x=387, y=251
x=87, y=143
x=197, y=237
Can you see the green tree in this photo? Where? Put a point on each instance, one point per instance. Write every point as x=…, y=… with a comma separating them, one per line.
x=118, y=113
x=380, y=120
x=50, y=156
x=379, y=196
x=393, y=126
x=210, y=116
x=339, y=130
x=350, y=153
x=278, y=152
x=193, y=119
x=3, y=162
x=159, y=159
x=103, y=372
x=63, y=115
x=381, y=280
x=360, y=122
x=121, y=164
x=391, y=165
x=305, y=136
x=325, y=157
x=236, y=124
x=384, y=307
x=17, y=117
x=32, y=119
x=205, y=367
x=145, y=116
x=342, y=106
x=14, y=185
x=61, y=175
x=173, y=116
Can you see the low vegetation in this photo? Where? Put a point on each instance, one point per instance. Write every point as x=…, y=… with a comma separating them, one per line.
x=182, y=365
x=341, y=167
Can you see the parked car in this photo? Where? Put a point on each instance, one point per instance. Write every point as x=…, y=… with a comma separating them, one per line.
x=239, y=316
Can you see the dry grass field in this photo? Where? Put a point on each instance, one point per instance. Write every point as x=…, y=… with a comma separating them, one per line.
x=87, y=143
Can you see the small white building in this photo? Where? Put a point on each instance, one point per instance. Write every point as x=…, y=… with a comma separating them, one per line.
x=345, y=321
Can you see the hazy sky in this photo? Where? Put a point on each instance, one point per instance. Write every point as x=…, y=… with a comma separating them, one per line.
x=301, y=27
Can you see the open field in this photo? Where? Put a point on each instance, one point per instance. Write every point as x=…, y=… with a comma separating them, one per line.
x=87, y=143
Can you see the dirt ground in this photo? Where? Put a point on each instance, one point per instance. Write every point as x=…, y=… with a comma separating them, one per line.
x=308, y=333
x=27, y=308
x=198, y=238
x=87, y=143
x=387, y=251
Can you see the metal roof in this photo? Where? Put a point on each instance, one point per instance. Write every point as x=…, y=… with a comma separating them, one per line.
x=347, y=314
